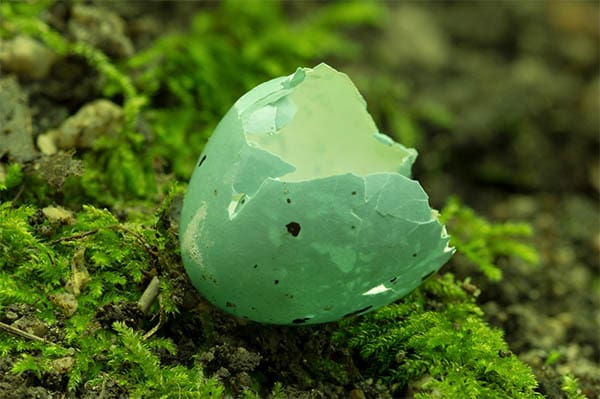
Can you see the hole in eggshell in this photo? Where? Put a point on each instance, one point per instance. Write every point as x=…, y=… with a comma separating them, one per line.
x=293, y=228
x=234, y=207
x=377, y=290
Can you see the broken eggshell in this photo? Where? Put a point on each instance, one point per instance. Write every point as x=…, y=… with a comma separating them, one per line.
x=301, y=212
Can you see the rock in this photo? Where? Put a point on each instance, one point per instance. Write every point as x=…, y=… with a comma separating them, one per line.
x=26, y=57
x=66, y=302
x=100, y=28
x=63, y=365
x=16, y=137
x=79, y=274
x=57, y=167
x=32, y=325
x=93, y=120
x=10, y=315
x=58, y=215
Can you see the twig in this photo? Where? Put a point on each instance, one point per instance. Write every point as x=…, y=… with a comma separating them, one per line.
x=24, y=334
x=103, y=390
x=21, y=189
x=146, y=300
x=149, y=295
x=78, y=235
x=114, y=227
x=158, y=325
x=17, y=331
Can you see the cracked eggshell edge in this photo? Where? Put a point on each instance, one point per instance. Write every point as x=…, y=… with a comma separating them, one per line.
x=215, y=253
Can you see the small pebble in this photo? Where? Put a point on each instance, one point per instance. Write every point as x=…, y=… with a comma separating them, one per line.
x=26, y=57
x=94, y=120
x=100, y=28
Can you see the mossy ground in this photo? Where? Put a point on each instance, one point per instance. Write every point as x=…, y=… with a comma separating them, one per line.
x=500, y=99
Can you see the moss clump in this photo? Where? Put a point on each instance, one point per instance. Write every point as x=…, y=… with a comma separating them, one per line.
x=68, y=270
x=435, y=343
x=482, y=242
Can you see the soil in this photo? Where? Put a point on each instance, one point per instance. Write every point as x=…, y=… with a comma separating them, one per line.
x=548, y=309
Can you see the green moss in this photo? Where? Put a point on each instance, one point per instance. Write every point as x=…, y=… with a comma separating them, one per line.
x=23, y=257
x=482, y=242
x=34, y=364
x=435, y=343
x=12, y=177
x=571, y=388
x=137, y=367
x=116, y=256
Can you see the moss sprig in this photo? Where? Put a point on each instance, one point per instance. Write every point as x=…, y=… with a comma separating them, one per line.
x=483, y=242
